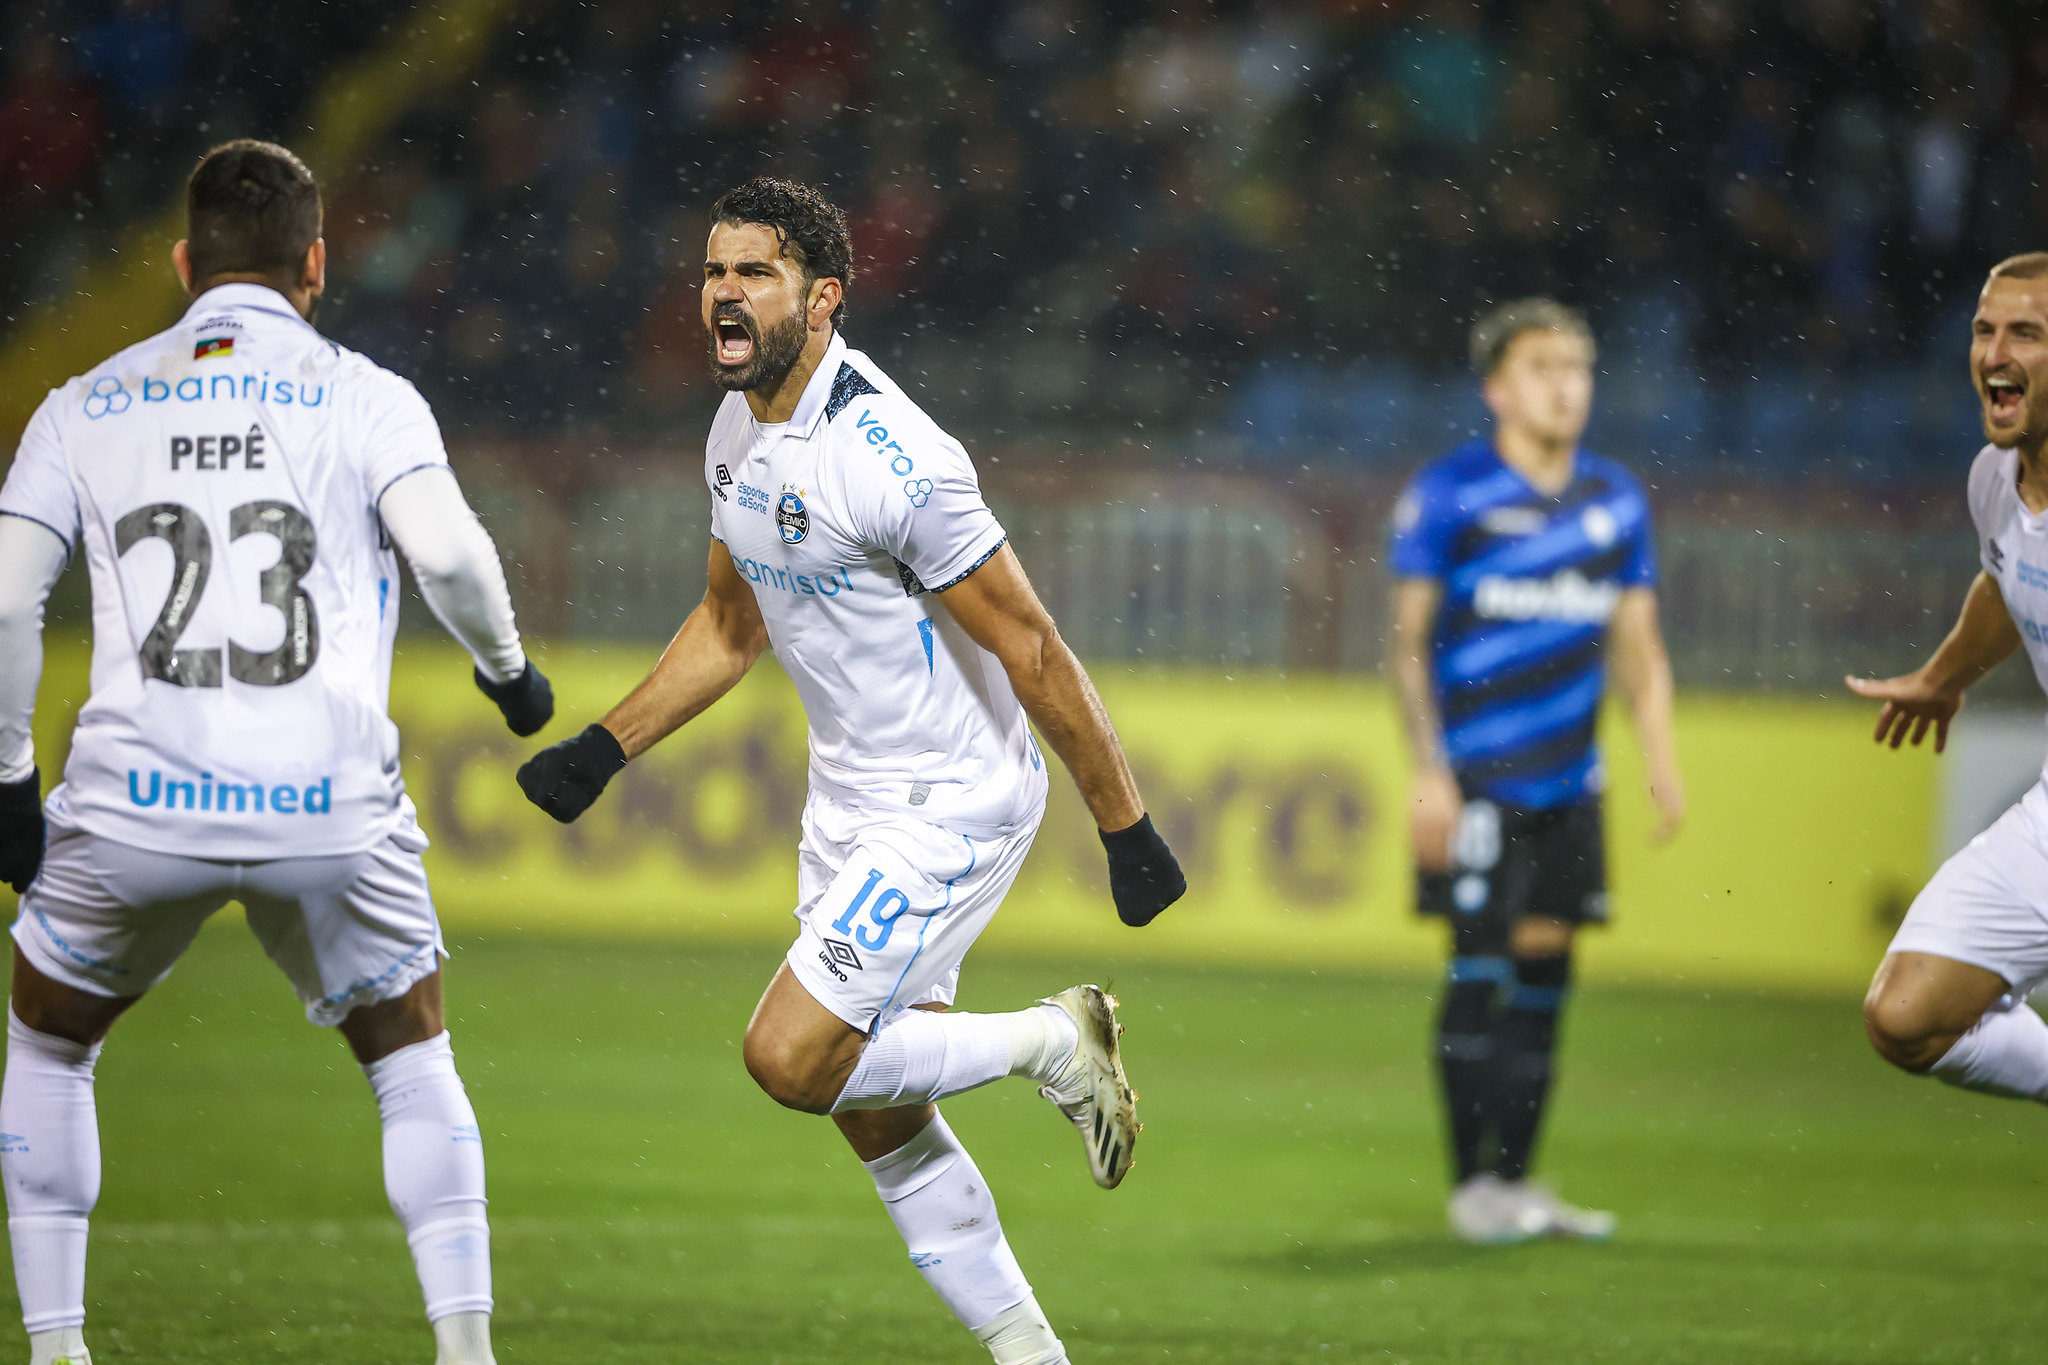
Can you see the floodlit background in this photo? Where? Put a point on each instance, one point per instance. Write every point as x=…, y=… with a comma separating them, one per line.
x=1192, y=282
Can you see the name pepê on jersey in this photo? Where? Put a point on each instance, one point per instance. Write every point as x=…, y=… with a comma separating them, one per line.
x=230, y=500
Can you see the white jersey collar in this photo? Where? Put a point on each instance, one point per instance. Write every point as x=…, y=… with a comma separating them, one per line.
x=243, y=296
x=818, y=392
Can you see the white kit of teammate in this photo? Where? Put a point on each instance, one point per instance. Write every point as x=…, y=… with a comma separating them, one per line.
x=852, y=536
x=236, y=485
x=1949, y=998
x=1988, y=905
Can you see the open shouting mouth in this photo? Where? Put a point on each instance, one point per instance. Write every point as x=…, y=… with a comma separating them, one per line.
x=2005, y=396
x=733, y=334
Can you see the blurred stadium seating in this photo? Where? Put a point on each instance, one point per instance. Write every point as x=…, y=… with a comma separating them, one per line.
x=1217, y=258
x=1224, y=198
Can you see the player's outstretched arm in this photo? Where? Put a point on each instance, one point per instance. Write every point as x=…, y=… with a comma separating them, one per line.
x=456, y=565
x=32, y=556
x=1642, y=670
x=997, y=608
x=1434, y=801
x=709, y=655
x=1983, y=638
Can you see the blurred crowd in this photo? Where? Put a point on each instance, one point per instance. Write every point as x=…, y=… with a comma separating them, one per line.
x=105, y=106
x=1167, y=196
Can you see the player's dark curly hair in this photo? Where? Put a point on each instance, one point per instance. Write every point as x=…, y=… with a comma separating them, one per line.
x=252, y=208
x=811, y=228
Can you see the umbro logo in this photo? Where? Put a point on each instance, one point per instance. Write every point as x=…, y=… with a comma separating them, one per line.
x=724, y=482
x=1997, y=553
x=838, y=957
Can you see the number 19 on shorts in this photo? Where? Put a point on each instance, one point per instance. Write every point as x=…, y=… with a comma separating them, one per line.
x=882, y=913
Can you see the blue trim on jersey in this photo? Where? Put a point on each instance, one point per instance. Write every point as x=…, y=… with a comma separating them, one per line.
x=1559, y=787
x=1529, y=721
x=1472, y=660
x=847, y=385
x=69, y=548
x=1500, y=970
x=1542, y=999
x=925, y=924
x=968, y=572
x=1562, y=546
x=924, y=633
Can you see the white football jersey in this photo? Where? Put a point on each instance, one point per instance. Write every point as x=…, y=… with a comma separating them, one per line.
x=222, y=478
x=2014, y=545
x=844, y=520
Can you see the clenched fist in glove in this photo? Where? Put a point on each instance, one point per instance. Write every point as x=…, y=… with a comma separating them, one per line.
x=564, y=779
x=1144, y=878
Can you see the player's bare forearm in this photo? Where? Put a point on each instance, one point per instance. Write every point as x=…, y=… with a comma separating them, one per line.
x=1414, y=615
x=1983, y=637
x=997, y=608
x=716, y=646
x=1642, y=670
x=1063, y=704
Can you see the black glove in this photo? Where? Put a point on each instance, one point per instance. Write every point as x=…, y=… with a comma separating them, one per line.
x=21, y=830
x=563, y=779
x=526, y=701
x=1143, y=877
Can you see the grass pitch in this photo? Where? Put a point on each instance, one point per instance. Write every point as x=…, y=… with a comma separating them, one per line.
x=1783, y=1197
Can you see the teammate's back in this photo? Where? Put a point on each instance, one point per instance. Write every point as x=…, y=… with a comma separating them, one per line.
x=241, y=488
x=222, y=478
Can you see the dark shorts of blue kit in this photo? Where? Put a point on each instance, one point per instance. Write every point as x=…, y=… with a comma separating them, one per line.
x=1515, y=864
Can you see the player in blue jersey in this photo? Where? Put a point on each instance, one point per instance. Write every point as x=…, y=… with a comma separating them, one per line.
x=1525, y=575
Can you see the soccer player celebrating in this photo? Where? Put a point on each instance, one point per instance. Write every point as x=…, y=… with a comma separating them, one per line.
x=1949, y=996
x=1525, y=573
x=235, y=484
x=851, y=536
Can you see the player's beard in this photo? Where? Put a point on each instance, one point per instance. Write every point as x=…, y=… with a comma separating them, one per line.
x=775, y=351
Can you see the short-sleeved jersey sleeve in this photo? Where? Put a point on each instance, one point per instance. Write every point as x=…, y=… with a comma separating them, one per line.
x=1420, y=535
x=718, y=480
x=39, y=484
x=395, y=432
x=1640, y=569
x=932, y=516
x=1985, y=473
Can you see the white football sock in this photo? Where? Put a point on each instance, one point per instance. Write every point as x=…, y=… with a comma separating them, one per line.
x=1043, y=1040
x=922, y=1056
x=2004, y=1053
x=939, y=1202
x=463, y=1339
x=1022, y=1336
x=50, y=1163
x=434, y=1175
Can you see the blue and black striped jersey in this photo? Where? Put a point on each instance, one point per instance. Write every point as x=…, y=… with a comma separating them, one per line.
x=1529, y=584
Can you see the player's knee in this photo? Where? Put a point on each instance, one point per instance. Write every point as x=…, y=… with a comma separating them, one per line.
x=1903, y=1033
x=787, y=1075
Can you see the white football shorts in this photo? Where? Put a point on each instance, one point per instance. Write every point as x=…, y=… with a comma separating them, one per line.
x=351, y=929
x=1988, y=905
x=888, y=905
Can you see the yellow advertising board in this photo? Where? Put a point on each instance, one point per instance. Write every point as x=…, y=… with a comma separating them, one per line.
x=1282, y=796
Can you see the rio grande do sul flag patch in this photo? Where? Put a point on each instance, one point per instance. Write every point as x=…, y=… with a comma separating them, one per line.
x=211, y=346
